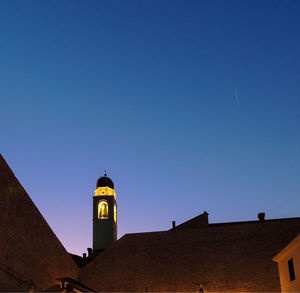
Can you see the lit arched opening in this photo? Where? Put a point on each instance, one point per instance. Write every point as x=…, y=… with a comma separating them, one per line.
x=102, y=209
x=115, y=213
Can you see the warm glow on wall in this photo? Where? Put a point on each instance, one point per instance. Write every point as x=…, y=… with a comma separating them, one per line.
x=115, y=213
x=102, y=210
x=105, y=191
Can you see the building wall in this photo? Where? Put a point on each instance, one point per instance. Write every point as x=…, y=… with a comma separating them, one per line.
x=30, y=253
x=291, y=251
x=233, y=257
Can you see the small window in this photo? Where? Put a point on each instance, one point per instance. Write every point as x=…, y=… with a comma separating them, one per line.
x=102, y=210
x=291, y=269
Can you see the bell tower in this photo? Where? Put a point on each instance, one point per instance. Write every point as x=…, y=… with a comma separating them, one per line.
x=104, y=214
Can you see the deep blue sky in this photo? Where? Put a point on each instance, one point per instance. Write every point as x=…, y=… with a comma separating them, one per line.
x=189, y=105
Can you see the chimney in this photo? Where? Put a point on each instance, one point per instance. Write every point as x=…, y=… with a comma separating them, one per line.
x=84, y=255
x=261, y=217
x=173, y=224
x=90, y=250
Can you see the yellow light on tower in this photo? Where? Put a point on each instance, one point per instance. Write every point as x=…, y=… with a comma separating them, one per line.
x=115, y=213
x=102, y=210
x=105, y=191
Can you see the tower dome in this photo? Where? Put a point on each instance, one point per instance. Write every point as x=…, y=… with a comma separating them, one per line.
x=105, y=181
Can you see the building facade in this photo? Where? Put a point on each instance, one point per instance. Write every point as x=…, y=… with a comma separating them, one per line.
x=288, y=260
x=195, y=256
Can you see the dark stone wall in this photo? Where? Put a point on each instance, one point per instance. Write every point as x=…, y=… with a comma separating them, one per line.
x=30, y=252
x=232, y=257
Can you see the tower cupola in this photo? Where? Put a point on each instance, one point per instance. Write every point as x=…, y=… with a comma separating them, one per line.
x=105, y=186
x=105, y=181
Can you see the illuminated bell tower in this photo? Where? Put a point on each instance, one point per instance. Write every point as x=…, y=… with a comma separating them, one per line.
x=104, y=214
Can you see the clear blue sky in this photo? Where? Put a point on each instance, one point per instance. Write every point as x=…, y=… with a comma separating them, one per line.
x=189, y=105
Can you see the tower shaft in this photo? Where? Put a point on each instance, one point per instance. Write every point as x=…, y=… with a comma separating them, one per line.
x=104, y=214
x=104, y=222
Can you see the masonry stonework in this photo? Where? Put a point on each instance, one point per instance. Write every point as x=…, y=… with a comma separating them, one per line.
x=194, y=256
x=31, y=256
x=229, y=257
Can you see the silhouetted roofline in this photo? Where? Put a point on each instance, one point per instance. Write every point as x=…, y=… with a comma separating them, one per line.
x=211, y=225
x=252, y=222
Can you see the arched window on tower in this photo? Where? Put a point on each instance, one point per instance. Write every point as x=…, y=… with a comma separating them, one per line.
x=102, y=210
x=115, y=213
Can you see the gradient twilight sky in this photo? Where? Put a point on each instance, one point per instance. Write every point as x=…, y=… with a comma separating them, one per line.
x=189, y=106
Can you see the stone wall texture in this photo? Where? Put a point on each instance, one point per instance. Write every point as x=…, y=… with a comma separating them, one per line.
x=30, y=253
x=228, y=257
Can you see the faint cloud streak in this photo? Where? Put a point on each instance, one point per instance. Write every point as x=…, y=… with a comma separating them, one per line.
x=237, y=98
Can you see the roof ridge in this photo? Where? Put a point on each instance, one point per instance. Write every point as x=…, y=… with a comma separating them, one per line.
x=254, y=221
